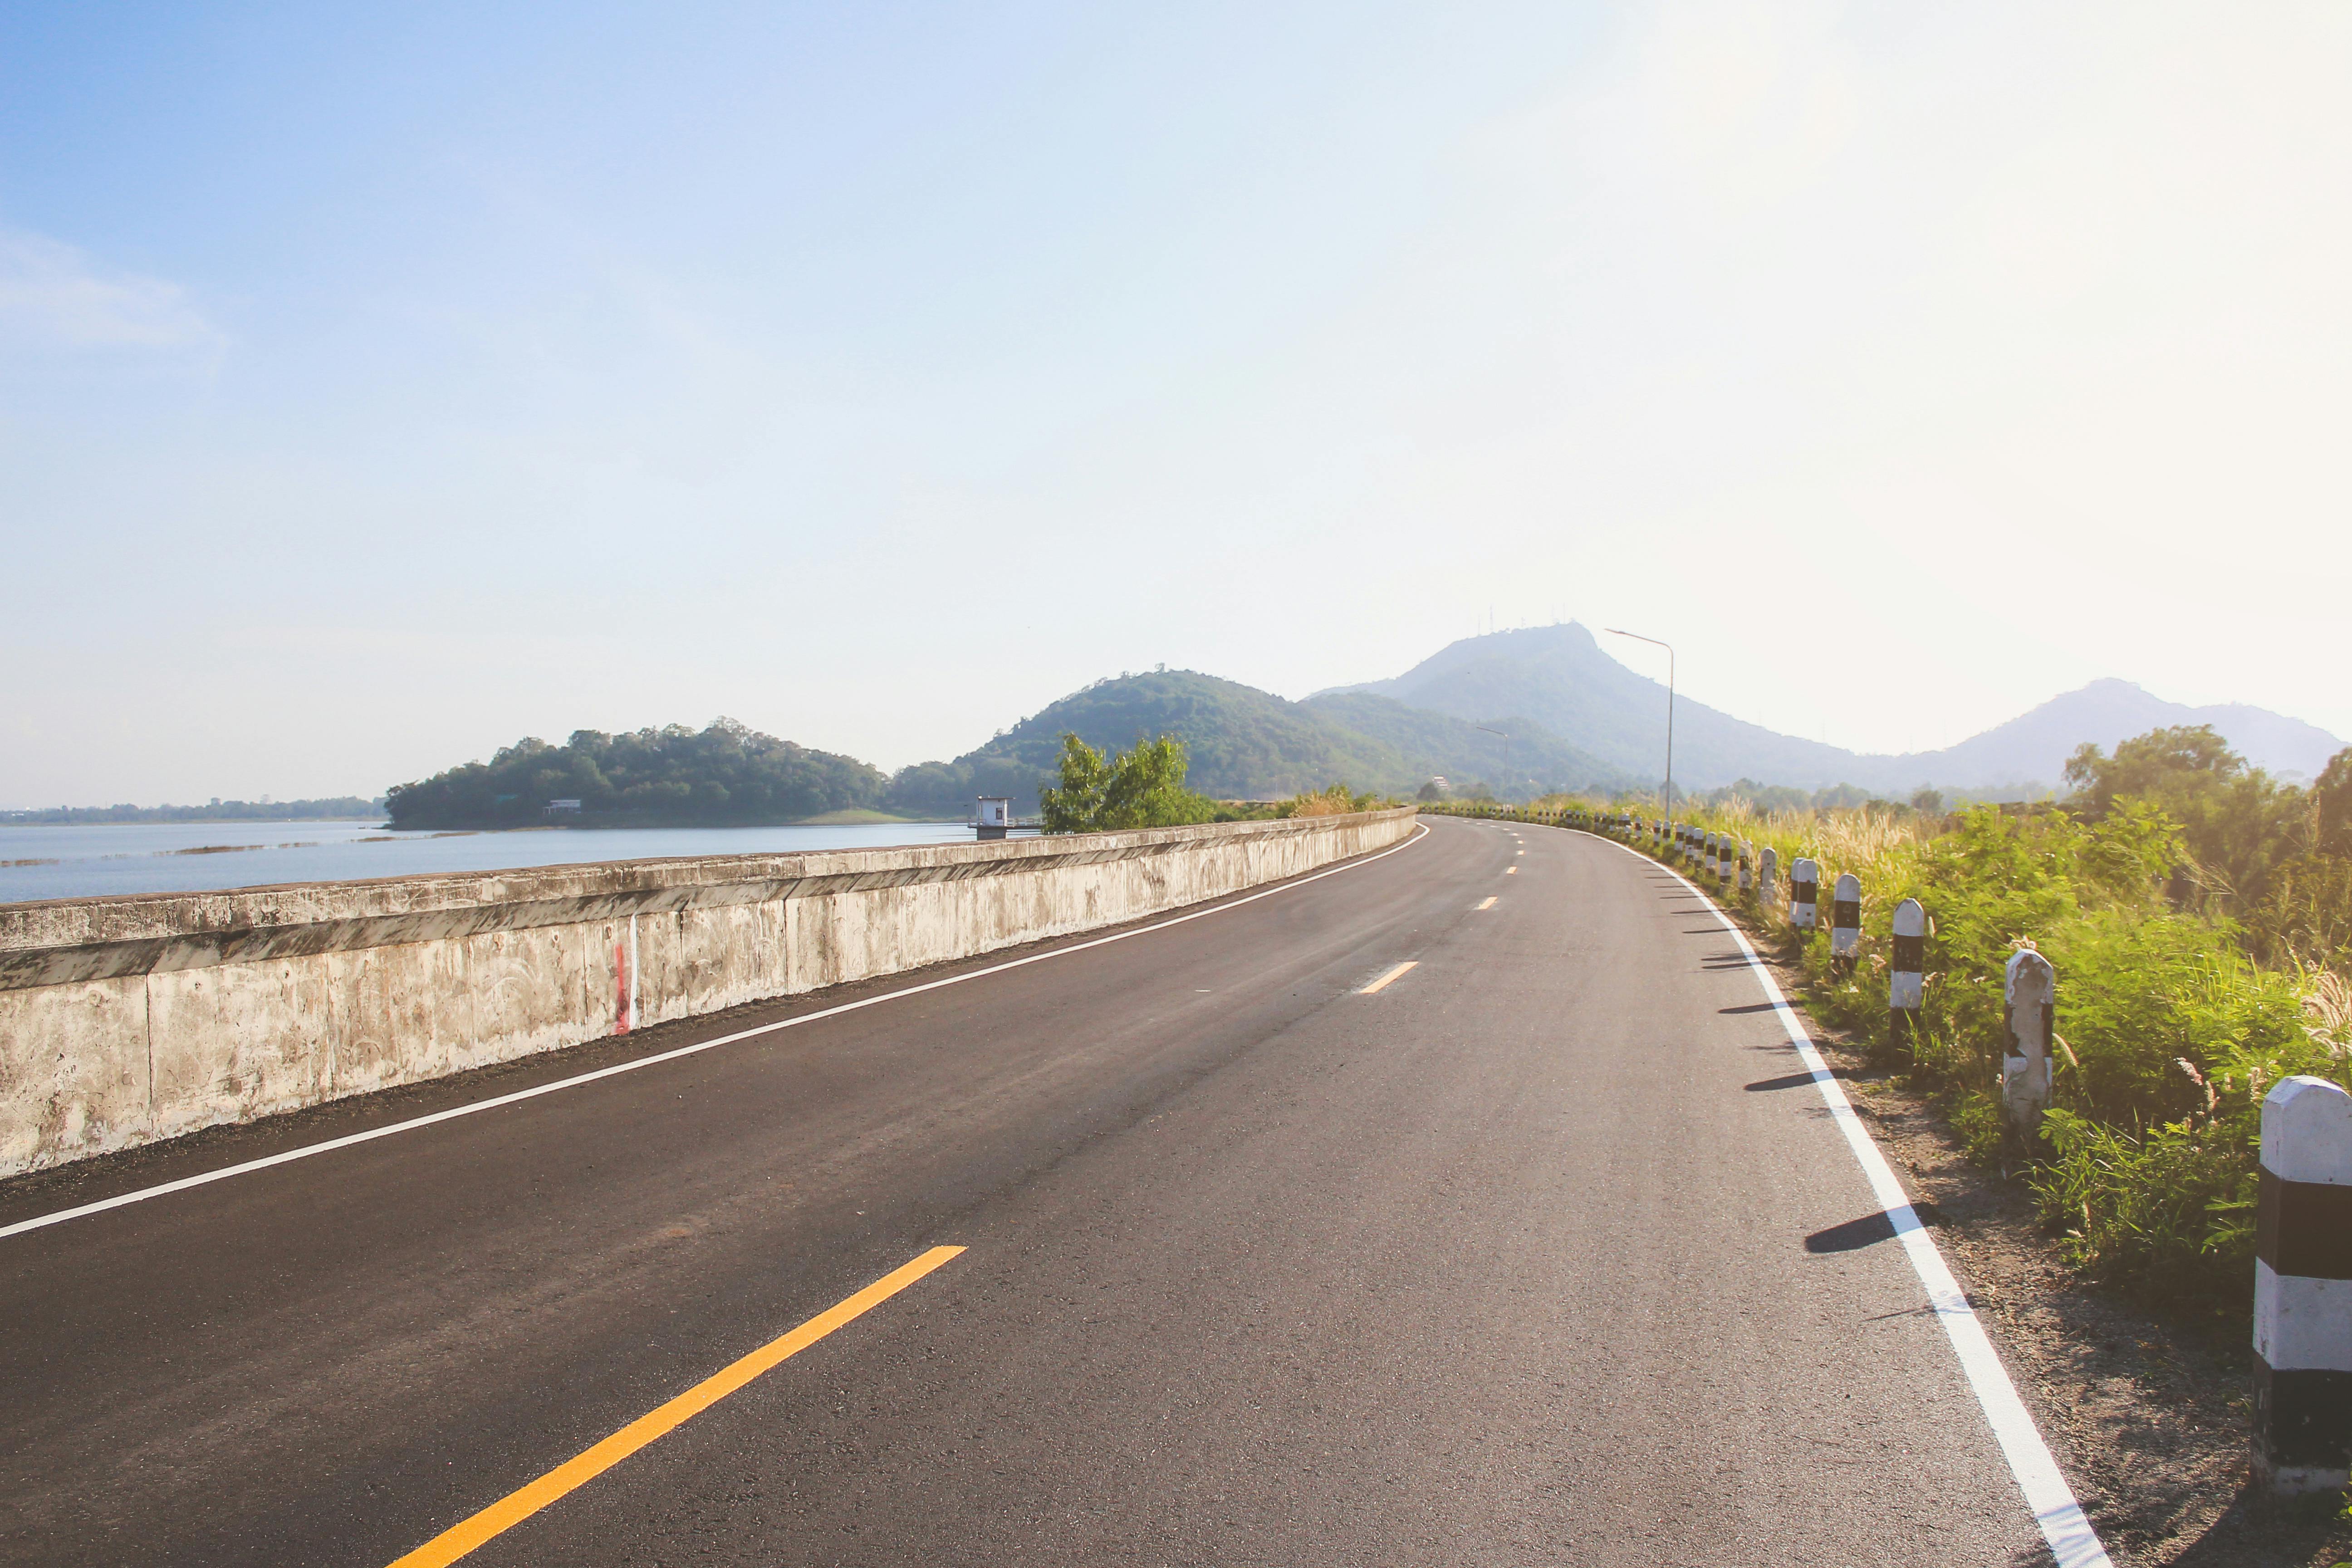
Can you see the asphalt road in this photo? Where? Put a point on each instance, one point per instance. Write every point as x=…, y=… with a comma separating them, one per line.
x=1542, y=1253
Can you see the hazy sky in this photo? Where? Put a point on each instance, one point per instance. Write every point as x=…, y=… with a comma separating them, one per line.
x=379, y=385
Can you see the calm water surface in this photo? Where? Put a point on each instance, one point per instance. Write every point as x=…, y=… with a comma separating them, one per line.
x=205, y=856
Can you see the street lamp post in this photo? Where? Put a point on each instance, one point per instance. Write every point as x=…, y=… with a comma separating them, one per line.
x=1506, y=751
x=1670, y=717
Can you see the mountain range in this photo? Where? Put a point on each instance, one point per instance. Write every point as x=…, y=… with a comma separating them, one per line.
x=1560, y=679
x=1542, y=708
x=1521, y=712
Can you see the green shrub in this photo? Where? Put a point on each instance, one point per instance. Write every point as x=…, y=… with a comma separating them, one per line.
x=1102, y=793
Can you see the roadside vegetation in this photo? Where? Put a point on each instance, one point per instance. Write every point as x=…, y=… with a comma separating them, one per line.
x=2199, y=915
x=1110, y=790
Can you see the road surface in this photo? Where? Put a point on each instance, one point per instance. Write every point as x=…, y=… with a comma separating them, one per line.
x=1545, y=1251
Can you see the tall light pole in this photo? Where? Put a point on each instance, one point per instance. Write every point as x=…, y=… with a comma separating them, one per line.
x=1506, y=751
x=1653, y=642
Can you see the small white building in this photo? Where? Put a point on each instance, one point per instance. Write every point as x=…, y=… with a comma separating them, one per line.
x=995, y=815
x=563, y=808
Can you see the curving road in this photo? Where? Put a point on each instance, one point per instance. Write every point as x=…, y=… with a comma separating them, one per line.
x=1543, y=1252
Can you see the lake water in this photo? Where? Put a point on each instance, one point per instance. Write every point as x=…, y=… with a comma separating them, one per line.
x=205, y=857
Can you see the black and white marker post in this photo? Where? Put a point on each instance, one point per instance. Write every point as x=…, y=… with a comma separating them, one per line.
x=1907, y=981
x=1846, y=924
x=2029, y=994
x=1767, y=871
x=1747, y=859
x=2303, y=1289
x=1727, y=851
x=1804, y=893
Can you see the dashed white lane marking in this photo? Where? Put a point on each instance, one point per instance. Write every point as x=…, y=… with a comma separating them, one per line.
x=2063, y=1524
x=1384, y=979
x=205, y=1178
x=1487, y=905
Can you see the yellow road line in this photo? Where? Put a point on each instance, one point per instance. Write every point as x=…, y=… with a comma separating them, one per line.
x=511, y=1509
x=1487, y=905
x=1510, y=870
x=1384, y=979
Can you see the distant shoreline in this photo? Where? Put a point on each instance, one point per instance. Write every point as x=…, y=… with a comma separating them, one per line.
x=850, y=819
x=324, y=808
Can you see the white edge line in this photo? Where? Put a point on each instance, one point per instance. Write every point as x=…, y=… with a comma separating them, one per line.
x=2063, y=1524
x=39, y=1221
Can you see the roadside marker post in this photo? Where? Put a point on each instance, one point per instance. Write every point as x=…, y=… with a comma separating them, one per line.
x=2029, y=994
x=2303, y=1289
x=1846, y=923
x=1767, y=871
x=1907, y=982
x=1746, y=875
x=1804, y=893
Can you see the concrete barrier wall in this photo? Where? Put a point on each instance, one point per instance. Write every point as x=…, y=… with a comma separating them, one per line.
x=129, y=1019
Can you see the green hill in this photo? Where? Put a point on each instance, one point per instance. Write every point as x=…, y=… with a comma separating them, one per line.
x=725, y=775
x=1244, y=745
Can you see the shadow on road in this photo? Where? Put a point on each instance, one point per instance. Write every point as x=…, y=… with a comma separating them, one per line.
x=1868, y=1231
x=1853, y=1235
x=1790, y=1080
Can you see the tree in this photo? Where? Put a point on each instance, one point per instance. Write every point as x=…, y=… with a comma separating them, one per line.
x=2331, y=806
x=2239, y=824
x=1108, y=792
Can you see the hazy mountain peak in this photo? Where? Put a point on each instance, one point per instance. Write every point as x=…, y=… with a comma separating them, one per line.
x=1559, y=678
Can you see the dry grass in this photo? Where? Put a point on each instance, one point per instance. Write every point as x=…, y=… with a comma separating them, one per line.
x=2327, y=1012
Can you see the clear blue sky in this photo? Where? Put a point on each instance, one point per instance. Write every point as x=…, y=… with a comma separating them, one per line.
x=379, y=386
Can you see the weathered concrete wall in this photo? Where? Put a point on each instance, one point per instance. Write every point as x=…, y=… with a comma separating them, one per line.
x=125, y=1020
